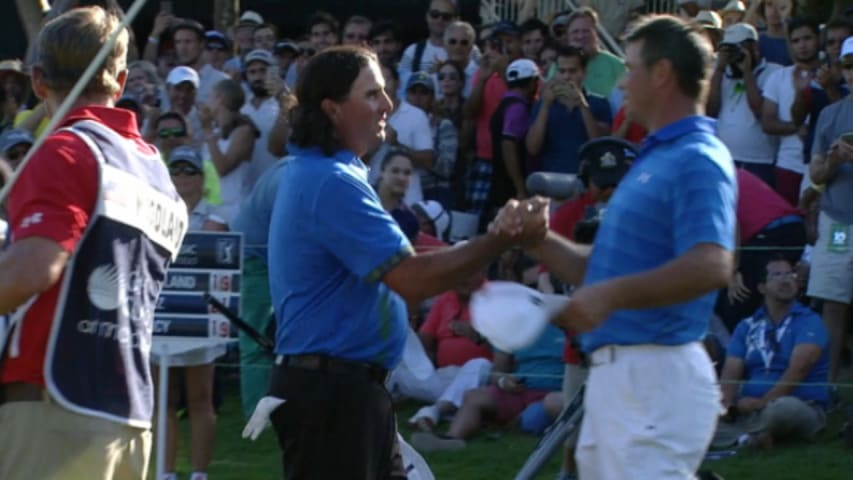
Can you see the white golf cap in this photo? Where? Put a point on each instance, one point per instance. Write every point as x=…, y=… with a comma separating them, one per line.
x=512, y=316
x=734, y=6
x=709, y=19
x=182, y=74
x=521, y=69
x=250, y=17
x=740, y=32
x=846, y=47
x=259, y=55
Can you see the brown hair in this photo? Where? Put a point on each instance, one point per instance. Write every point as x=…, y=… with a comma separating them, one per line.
x=69, y=43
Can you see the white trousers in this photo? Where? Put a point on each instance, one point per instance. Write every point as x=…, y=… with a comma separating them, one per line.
x=649, y=413
x=447, y=384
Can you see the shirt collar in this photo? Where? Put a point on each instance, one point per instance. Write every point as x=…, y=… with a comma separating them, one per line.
x=121, y=120
x=678, y=129
x=796, y=309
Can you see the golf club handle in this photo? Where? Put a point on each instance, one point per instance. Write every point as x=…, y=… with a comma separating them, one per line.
x=241, y=325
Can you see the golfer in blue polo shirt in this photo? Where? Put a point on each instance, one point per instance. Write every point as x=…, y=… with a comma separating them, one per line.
x=663, y=248
x=341, y=274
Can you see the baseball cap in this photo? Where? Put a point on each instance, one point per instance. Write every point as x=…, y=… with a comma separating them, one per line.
x=182, y=74
x=734, y=6
x=605, y=160
x=512, y=316
x=283, y=45
x=216, y=39
x=709, y=19
x=189, y=24
x=259, y=55
x=14, y=137
x=15, y=66
x=740, y=32
x=846, y=47
x=250, y=17
x=437, y=215
x=521, y=69
x=505, y=27
x=421, y=78
x=188, y=154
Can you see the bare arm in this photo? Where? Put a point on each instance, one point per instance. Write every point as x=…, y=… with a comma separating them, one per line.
x=562, y=257
x=535, y=138
x=240, y=149
x=27, y=268
x=803, y=359
x=475, y=101
x=770, y=122
x=823, y=168
x=754, y=97
x=730, y=377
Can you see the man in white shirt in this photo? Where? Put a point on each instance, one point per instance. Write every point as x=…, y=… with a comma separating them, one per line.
x=459, y=38
x=735, y=98
x=262, y=107
x=409, y=127
x=188, y=36
x=424, y=55
x=779, y=93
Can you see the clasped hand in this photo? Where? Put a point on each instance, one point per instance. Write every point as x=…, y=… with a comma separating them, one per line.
x=522, y=222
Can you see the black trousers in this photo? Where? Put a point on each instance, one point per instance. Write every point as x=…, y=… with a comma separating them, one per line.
x=334, y=426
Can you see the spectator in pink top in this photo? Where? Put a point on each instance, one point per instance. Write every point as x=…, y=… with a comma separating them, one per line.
x=765, y=221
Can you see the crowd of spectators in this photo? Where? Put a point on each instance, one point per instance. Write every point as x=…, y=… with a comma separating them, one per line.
x=478, y=108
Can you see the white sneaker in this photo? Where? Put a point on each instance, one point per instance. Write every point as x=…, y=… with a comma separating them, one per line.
x=426, y=418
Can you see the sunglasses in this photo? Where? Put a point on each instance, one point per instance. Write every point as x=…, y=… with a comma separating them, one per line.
x=172, y=132
x=436, y=14
x=447, y=76
x=458, y=41
x=190, y=170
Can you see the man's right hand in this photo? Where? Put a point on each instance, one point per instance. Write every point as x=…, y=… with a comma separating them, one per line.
x=522, y=222
x=162, y=23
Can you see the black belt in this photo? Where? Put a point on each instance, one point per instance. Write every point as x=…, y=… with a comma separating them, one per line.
x=325, y=363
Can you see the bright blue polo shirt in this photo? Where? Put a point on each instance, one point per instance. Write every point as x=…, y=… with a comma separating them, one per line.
x=565, y=133
x=680, y=192
x=330, y=244
x=766, y=350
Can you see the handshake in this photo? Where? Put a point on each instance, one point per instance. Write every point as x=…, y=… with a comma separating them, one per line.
x=522, y=222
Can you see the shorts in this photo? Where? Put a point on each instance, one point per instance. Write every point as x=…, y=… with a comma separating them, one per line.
x=509, y=405
x=831, y=276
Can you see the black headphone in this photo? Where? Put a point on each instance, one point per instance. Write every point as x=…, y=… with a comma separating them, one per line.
x=585, y=150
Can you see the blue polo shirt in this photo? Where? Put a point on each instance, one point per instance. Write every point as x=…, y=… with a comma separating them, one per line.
x=330, y=244
x=680, y=192
x=565, y=133
x=766, y=351
x=253, y=219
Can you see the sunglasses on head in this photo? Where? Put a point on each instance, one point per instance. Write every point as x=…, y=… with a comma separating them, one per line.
x=447, y=76
x=436, y=14
x=183, y=169
x=458, y=41
x=172, y=132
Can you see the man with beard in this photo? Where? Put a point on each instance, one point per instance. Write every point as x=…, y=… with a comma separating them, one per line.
x=735, y=99
x=262, y=107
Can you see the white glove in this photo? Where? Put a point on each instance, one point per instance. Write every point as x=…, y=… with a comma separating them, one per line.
x=261, y=417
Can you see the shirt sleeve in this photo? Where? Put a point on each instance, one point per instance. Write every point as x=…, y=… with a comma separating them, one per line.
x=349, y=221
x=737, y=344
x=811, y=330
x=771, y=90
x=55, y=193
x=822, y=139
x=704, y=199
x=515, y=122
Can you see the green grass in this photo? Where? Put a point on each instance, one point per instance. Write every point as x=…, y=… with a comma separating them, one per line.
x=497, y=454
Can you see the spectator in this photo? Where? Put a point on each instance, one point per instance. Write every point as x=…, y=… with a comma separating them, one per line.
x=615, y=14
x=734, y=12
x=243, y=38
x=508, y=127
x=409, y=127
x=186, y=168
x=767, y=226
x=394, y=179
x=534, y=32
x=323, y=30
x=451, y=79
x=384, y=37
x=181, y=89
x=736, y=100
x=560, y=28
x=262, y=108
x=188, y=36
x=14, y=145
x=425, y=54
x=459, y=44
x=566, y=116
x=230, y=144
x=217, y=49
x=775, y=37
x=712, y=26
x=548, y=57
x=519, y=380
x=356, y=31
x=264, y=37
x=603, y=70
x=461, y=357
x=780, y=353
x=831, y=169
x=779, y=93
x=502, y=47
x=286, y=52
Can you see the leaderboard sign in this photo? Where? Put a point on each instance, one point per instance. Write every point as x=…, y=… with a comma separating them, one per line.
x=209, y=262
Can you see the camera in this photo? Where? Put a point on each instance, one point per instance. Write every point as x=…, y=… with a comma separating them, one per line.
x=735, y=53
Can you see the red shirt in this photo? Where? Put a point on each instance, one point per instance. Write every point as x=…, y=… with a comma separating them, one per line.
x=635, y=133
x=493, y=92
x=563, y=221
x=427, y=243
x=53, y=198
x=451, y=348
x=758, y=205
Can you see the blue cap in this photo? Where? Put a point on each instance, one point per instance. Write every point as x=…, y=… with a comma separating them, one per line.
x=421, y=78
x=187, y=154
x=505, y=27
x=14, y=137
